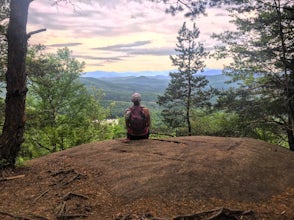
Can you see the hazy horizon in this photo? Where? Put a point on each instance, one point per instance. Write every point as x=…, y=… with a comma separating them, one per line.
x=101, y=73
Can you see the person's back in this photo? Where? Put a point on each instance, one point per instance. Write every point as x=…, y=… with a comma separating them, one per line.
x=137, y=120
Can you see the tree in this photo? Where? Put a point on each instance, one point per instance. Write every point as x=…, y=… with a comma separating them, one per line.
x=194, y=8
x=61, y=113
x=262, y=49
x=13, y=129
x=54, y=80
x=186, y=89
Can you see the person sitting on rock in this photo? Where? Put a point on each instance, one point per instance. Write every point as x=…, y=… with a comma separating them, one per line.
x=137, y=120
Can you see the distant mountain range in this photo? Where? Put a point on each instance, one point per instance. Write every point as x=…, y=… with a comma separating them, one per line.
x=121, y=88
x=105, y=74
x=118, y=86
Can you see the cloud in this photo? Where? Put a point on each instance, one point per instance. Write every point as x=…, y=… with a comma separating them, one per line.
x=117, y=58
x=136, y=49
x=109, y=3
x=102, y=18
x=153, y=51
x=119, y=47
x=65, y=45
x=121, y=32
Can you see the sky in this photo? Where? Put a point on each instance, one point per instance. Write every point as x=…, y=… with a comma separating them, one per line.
x=119, y=35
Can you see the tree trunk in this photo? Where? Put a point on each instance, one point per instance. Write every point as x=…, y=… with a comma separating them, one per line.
x=289, y=79
x=189, y=106
x=290, y=139
x=189, y=122
x=13, y=129
x=290, y=98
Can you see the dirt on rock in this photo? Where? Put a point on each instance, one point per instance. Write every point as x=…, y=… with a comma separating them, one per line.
x=173, y=178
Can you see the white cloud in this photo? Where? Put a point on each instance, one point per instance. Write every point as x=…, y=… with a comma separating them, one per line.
x=130, y=31
x=118, y=47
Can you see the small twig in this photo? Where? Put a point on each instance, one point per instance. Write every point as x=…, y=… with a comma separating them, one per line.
x=72, y=179
x=41, y=195
x=199, y=214
x=63, y=181
x=70, y=195
x=14, y=216
x=38, y=217
x=7, y=214
x=12, y=177
x=63, y=217
x=63, y=172
x=217, y=214
x=171, y=141
x=62, y=208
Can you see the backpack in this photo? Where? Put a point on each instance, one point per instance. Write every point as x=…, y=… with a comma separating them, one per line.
x=137, y=120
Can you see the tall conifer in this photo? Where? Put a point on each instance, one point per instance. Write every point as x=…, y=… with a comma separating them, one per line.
x=186, y=88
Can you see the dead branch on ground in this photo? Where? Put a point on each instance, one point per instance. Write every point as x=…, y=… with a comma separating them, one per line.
x=71, y=195
x=41, y=195
x=12, y=178
x=13, y=216
x=64, y=180
x=65, y=217
x=218, y=214
x=72, y=179
x=63, y=172
x=164, y=140
x=62, y=210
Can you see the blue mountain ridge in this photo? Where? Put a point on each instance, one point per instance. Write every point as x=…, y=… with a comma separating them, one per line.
x=111, y=74
x=119, y=86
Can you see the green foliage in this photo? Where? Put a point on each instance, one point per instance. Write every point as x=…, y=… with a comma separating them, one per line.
x=119, y=130
x=262, y=50
x=218, y=123
x=158, y=127
x=232, y=124
x=250, y=110
x=3, y=163
x=186, y=89
x=61, y=113
x=4, y=14
x=195, y=8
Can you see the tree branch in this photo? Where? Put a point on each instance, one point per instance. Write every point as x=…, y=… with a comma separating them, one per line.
x=35, y=32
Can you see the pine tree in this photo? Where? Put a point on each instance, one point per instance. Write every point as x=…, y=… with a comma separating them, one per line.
x=262, y=49
x=13, y=129
x=186, y=89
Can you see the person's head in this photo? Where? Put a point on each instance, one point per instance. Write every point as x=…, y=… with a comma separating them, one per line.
x=136, y=98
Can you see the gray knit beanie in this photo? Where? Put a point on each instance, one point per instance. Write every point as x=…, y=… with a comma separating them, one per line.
x=136, y=97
